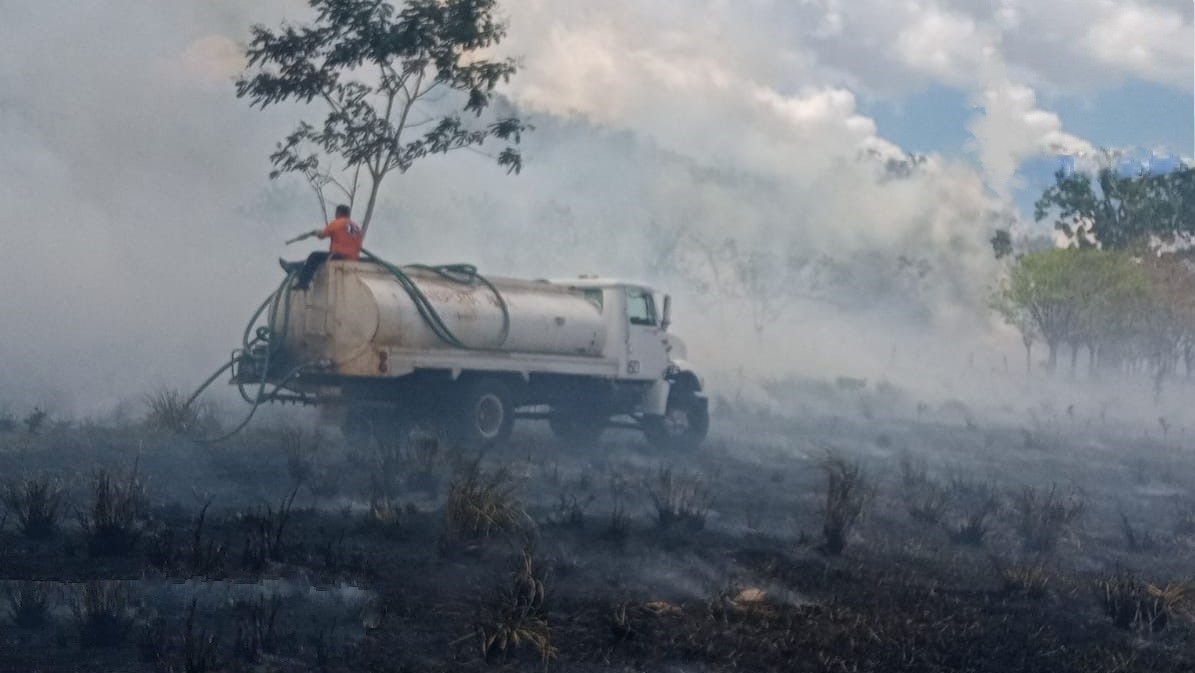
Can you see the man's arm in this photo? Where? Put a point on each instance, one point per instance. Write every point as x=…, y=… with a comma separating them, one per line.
x=325, y=232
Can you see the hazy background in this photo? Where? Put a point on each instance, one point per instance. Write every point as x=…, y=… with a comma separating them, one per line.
x=142, y=229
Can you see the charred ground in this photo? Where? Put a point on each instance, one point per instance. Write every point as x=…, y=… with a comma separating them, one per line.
x=1056, y=542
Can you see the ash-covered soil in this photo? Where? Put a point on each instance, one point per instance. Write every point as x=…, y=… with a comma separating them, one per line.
x=1041, y=540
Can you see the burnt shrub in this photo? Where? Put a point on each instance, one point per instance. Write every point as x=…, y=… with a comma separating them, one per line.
x=975, y=505
x=35, y=503
x=28, y=603
x=167, y=410
x=680, y=500
x=264, y=530
x=115, y=517
x=1044, y=517
x=102, y=613
x=925, y=498
x=848, y=492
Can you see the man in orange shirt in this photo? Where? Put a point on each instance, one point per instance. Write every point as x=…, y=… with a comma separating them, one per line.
x=346, y=236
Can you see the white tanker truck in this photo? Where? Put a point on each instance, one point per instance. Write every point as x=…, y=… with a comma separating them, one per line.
x=388, y=347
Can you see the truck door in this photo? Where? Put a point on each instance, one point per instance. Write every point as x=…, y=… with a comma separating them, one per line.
x=646, y=357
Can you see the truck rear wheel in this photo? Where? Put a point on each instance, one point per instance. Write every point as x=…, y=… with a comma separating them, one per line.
x=684, y=425
x=486, y=415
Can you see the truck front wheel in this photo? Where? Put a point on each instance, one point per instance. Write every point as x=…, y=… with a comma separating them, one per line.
x=486, y=415
x=684, y=425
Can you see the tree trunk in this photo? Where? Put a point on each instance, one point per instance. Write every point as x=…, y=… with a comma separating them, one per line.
x=1028, y=357
x=373, y=199
x=1052, y=359
x=1074, y=360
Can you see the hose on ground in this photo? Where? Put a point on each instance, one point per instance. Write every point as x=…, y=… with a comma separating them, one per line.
x=260, y=348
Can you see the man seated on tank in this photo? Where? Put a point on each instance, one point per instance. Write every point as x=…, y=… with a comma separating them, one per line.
x=346, y=236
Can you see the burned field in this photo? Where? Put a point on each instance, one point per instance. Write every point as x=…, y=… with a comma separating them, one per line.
x=888, y=535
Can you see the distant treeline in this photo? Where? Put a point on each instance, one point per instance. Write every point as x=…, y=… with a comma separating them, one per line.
x=1123, y=290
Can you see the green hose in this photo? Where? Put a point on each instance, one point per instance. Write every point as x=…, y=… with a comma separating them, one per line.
x=459, y=273
x=264, y=341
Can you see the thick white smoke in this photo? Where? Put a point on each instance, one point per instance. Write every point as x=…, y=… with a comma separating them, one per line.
x=715, y=148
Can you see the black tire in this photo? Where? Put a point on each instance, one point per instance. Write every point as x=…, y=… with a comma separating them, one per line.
x=684, y=425
x=486, y=415
x=576, y=426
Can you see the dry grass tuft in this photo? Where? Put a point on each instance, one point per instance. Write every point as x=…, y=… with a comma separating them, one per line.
x=480, y=505
x=1029, y=579
x=1133, y=604
x=518, y=615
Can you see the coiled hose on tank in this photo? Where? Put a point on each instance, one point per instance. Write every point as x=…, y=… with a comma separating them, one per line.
x=459, y=273
x=270, y=337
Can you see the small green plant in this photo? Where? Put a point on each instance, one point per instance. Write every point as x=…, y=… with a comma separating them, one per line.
x=680, y=500
x=35, y=503
x=116, y=516
x=848, y=492
x=28, y=603
x=102, y=614
x=1044, y=517
x=481, y=504
x=518, y=615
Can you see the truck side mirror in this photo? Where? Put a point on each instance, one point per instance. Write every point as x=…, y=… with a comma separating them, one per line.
x=667, y=320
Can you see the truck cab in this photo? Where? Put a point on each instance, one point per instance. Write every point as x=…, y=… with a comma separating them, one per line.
x=671, y=408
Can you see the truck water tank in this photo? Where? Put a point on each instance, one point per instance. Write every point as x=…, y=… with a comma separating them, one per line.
x=354, y=307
